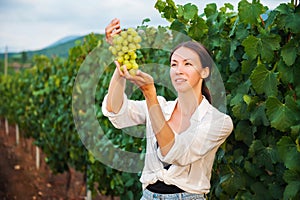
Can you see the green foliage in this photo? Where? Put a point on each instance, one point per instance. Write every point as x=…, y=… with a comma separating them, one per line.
x=258, y=59
x=249, y=13
x=259, y=62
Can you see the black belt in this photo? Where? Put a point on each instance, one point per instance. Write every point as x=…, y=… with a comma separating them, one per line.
x=162, y=188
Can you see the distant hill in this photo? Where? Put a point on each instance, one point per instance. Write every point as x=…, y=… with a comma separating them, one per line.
x=64, y=40
x=59, y=48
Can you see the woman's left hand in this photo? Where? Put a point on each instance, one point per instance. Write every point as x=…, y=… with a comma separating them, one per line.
x=141, y=79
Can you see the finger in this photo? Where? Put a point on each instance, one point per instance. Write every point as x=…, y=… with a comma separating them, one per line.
x=143, y=77
x=114, y=24
x=115, y=21
x=119, y=68
x=117, y=31
x=112, y=29
x=139, y=72
x=136, y=79
x=109, y=29
x=126, y=72
x=142, y=74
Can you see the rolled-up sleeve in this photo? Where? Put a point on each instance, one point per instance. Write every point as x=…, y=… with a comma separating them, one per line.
x=197, y=141
x=131, y=113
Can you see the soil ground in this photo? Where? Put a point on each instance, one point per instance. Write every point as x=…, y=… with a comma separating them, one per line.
x=21, y=179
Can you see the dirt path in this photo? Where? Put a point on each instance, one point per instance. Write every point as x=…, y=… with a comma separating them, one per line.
x=20, y=179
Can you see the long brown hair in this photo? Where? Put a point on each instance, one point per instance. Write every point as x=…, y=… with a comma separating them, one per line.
x=205, y=59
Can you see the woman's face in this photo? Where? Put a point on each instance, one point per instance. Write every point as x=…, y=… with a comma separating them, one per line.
x=186, y=70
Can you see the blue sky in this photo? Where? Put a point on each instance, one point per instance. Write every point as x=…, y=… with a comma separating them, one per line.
x=35, y=24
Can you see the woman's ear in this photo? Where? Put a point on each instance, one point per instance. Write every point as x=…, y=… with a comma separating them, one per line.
x=205, y=72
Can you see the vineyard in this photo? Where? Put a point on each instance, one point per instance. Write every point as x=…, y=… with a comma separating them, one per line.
x=57, y=102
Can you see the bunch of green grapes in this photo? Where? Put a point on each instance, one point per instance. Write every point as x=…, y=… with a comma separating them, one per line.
x=124, y=47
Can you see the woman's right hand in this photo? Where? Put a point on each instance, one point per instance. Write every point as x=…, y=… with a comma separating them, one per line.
x=113, y=28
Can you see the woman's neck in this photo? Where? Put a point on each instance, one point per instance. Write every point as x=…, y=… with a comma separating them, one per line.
x=188, y=102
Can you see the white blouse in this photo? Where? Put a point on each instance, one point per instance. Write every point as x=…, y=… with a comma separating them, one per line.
x=193, y=152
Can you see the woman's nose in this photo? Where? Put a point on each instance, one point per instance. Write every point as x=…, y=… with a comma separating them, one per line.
x=178, y=69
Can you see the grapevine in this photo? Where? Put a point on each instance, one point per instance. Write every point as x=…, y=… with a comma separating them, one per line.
x=124, y=47
x=259, y=64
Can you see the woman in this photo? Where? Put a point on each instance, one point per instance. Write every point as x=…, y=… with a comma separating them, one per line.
x=182, y=135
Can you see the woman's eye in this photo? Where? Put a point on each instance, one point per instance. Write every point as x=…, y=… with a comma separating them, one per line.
x=173, y=65
x=188, y=64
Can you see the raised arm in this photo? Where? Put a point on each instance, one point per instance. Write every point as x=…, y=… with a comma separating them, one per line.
x=117, y=84
x=163, y=132
x=115, y=91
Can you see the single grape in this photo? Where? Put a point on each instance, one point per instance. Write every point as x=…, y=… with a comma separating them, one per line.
x=125, y=49
x=132, y=72
x=124, y=34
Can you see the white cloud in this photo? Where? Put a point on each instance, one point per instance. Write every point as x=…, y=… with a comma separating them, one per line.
x=35, y=24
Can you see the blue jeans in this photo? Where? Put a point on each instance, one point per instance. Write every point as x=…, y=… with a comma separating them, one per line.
x=148, y=195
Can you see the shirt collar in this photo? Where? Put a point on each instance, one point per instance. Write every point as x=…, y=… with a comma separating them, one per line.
x=201, y=110
x=197, y=115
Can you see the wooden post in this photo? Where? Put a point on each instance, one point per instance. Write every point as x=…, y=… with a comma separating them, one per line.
x=89, y=195
x=17, y=134
x=88, y=191
x=37, y=157
x=6, y=127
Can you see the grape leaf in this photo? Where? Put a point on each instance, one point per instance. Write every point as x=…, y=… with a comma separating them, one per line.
x=264, y=81
x=282, y=116
x=258, y=116
x=276, y=190
x=241, y=89
x=198, y=29
x=260, y=190
x=232, y=182
x=289, y=52
x=263, y=155
x=252, y=169
x=241, y=32
x=251, y=45
x=269, y=44
x=283, y=9
x=178, y=26
x=226, y=5
x=287, y=74
x=190, y=11
x=210, y=10
x=160, y=5
x=291, y=190
x=288, y=153
x=243, y=132
x=169, y=13
x=249, y=13
x=288, y=19
x=248, y=66
x=256, y=146
x=291, y=175
x=167, y=9
x=171, y=3
x=264, y=46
